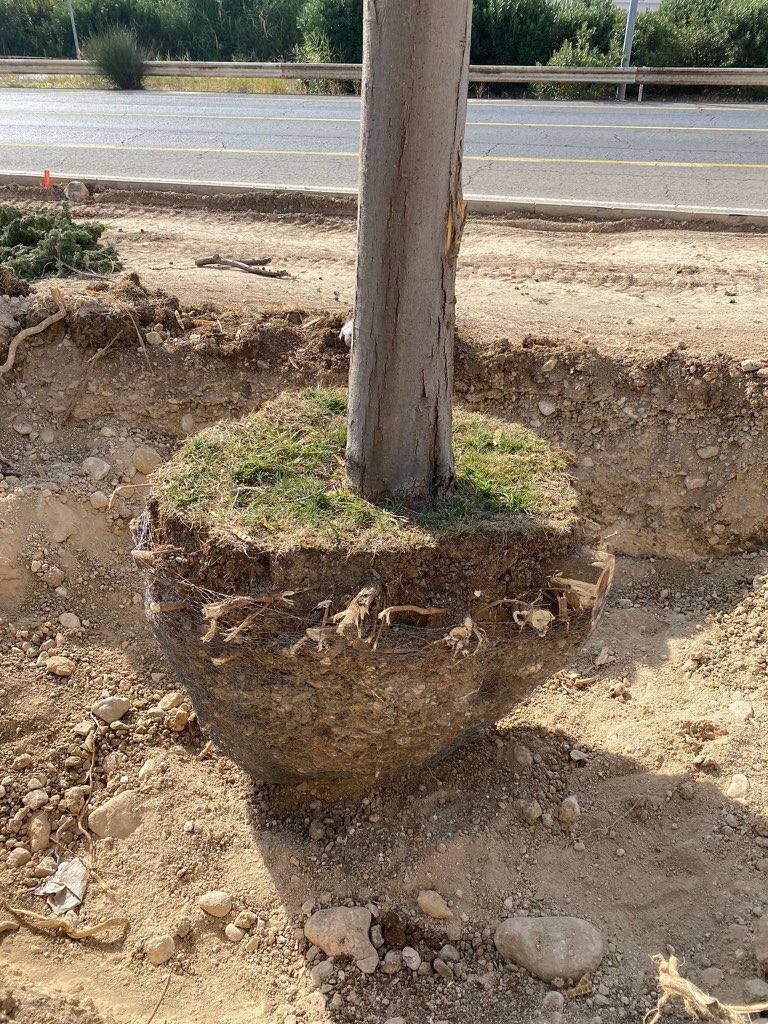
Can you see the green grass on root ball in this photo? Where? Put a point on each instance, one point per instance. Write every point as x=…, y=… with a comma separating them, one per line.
x=278, y=476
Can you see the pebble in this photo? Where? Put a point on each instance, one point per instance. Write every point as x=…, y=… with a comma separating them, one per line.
x=69, y=620
x=547, y=408
x=97, y=469
x=217, y=902
x=18, y=858
x=233, y=933
x=170, y=700
x=551, y=947
x=685, y=790
x=322, y=972
x=709, y=451
x=146, y=460
x=21, y=762
x=176, y=719
x=159, y=949
x=450, y=954
x=411, y=958
x=530, y=811
x=443, y=969
x=522, y=756
x=738, y=787
x=153, y=338
x=757, y=989
x=741, y=710
x=118, y=817
x=58, y=665
x=245, y=920
x=111, y=709
x=39, y=831
x=433, y=905
x=368, y=964
x=341, y=931
x=99, y=500
x=553, y=1002
x=393, y=962
x=712, y=978
x=761, y=941
x=35, y=799
x=752, y=365
x=569, y=811
x=187, y=424
x=695, y=483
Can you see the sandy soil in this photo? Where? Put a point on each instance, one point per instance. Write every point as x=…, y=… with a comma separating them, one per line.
x=667, y=704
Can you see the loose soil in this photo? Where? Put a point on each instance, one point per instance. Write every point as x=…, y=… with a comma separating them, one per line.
x=661, y=710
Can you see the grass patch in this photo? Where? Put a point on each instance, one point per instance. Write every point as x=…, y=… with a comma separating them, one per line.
x=278, y=476
x=169, y=83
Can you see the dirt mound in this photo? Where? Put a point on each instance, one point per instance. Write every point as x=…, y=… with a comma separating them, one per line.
x=10, y=284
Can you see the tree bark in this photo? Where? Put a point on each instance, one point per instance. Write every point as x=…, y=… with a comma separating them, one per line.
x=415, y=75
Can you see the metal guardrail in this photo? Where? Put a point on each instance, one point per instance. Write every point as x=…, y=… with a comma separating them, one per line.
x=353, y=72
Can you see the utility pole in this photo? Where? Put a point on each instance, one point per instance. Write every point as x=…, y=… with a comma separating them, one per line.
x=78, y=54
x=629, y=35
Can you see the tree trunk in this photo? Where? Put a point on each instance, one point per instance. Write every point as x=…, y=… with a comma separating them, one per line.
x=415, y=74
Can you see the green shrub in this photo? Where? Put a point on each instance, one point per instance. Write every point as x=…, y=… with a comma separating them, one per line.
x=119, y=56
x=37, y=244
x=580, y=54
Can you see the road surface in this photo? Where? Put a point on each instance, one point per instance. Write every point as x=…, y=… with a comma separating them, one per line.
x=667, y=154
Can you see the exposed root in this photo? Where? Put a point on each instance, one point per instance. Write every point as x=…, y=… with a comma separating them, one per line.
x=58, y=924
x=29, y=332
x=698, y=1004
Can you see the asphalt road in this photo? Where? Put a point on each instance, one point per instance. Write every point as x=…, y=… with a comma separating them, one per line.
x=665, y=154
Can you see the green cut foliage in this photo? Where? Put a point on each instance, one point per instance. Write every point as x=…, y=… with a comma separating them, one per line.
x=119, y=56
x=278, y=476
x=38, y=244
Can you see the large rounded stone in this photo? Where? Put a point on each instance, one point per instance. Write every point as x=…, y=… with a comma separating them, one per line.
x=551, y=947
x=118, y=817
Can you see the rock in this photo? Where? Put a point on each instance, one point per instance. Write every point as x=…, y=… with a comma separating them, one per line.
x=39, y=831
x=217, y=902
x=395, y=1020
x=551, y=947
x=53, y=577
x=685, y=790
x=762, y=865
x=341, y=931
x=75, y=798
x=695, y=483
x=146, y=460
x=170, y=700
x=245, y=920
x=411, y=958
x=187, y=424
x=377, y=936
x=760, y=941
x=547, y=408
x=159, y=949
x=18, y=858
x=322, y=973
x=97, y=469
x=741, y=710
x=443, y=969
x=712, y=978
x=35, y=799
x=153, y=338
x=176, y=719
x=553, y=1002
x=58, y=665
x=21, y=762
x=99, y=500
x=752, y=365
x=118, y=817
x=757, y=990
x=709, y=451
x=522, y=756
x=233, y=933
x=69, y=620
x=449, y=954
x=738, y=787
x=530, y=811
x=368, y=964
x=393, y=962
x=569, y=811
x=433, y=905
x=77, y=192
x=111, y=709
x=316, y=831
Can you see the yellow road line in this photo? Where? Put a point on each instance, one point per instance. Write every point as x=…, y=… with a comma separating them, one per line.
x=356, y=120
x=321, y=152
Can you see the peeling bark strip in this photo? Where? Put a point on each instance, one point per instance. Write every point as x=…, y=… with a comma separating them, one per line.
x=415, y=73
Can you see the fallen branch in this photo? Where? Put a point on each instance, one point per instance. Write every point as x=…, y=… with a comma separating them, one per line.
x=159, y=1001
x=698, y=1004
x=29, y=332
x=247, y=266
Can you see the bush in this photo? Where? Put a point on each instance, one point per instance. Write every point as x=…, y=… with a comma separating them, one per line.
x=119, y=56
x=581, y=54
x=36, y=244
